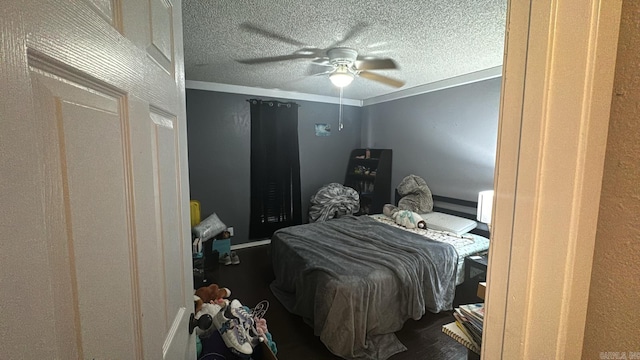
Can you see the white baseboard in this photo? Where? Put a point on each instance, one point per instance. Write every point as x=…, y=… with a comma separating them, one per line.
x=251, y=244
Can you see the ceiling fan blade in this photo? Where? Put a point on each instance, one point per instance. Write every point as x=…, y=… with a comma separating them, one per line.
x=266, y=33
x=274, y=59
x=375, y=64
x=382, y=79
x=322, y=62
x=319, y=67
x=326, y=72
x=353, y=32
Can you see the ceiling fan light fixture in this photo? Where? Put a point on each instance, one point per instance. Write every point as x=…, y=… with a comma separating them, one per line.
x=341, y=77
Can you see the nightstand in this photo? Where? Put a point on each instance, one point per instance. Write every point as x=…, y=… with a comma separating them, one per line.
x=475, y=272
x=475, y=267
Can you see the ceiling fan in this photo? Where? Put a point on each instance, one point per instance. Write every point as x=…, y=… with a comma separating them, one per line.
x=344, y=65
x=340, y=64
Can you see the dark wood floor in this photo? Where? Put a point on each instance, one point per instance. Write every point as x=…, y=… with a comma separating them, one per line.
x=249, y=283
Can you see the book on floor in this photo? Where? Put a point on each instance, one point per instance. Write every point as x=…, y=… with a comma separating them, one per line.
x=470, y=330
x=458, y=335
x=475, y=310
x=474, y=313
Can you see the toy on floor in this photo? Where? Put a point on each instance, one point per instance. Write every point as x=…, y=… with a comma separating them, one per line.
x=209, y=300
x=212, y=294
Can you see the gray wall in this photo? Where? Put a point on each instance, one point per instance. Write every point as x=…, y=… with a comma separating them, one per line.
x=218, y=127
x=447, y=137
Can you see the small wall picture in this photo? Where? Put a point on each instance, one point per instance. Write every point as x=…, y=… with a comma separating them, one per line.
x=323, y=130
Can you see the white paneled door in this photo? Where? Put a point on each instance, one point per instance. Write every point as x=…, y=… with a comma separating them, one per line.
x=95, y=249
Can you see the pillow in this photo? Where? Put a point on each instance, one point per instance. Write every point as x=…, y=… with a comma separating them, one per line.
x=209, y=227
x=446, y=222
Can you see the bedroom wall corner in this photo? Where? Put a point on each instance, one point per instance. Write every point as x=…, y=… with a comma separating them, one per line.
x=218, y=131
x=448, y=137
x=323, y=159
x=219, y=139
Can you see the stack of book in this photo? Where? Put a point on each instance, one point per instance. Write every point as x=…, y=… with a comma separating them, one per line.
x=467, y=329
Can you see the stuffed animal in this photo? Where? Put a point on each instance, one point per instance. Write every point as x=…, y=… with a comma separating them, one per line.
x=212, y=294
x=416, y=195
x=405, y=218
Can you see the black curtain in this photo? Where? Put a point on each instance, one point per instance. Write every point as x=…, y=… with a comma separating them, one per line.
x=275, y=167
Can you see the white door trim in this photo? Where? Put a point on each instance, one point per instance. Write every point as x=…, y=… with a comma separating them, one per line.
x=559, y=67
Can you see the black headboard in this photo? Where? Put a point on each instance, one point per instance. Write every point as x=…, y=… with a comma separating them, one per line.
x=452, y=206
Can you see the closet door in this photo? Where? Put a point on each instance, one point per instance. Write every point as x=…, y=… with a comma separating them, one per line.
x=95, y=248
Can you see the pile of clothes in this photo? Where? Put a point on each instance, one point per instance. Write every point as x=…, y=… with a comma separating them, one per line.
x=332, y=201
x=235, y=330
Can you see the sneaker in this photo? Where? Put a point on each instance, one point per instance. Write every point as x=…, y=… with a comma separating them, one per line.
x=212, y=310
x=235, y=260
x=238, y=310
x=225, y=259
x=246, y=319
x=232, y=332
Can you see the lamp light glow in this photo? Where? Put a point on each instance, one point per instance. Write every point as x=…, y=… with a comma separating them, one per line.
x=485, y=206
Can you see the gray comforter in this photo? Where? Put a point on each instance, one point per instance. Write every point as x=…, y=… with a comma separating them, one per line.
x=356, y=281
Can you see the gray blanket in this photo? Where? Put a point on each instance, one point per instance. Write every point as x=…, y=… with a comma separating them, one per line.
x=356, y=281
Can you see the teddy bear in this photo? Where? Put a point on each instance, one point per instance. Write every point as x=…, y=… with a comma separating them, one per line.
x=212, y=294
x=209, y=300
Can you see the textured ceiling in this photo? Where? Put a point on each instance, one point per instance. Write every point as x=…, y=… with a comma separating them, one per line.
x=430, y=40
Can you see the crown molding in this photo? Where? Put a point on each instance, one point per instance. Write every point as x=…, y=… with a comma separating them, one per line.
x=272, y=93
x=486, y=74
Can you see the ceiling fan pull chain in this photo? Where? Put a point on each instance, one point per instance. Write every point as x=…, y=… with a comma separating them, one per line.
x=340, y=126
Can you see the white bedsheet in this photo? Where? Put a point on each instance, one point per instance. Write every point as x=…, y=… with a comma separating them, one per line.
x=465, y=245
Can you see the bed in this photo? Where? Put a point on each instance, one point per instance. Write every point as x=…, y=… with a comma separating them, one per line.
x=355, y=280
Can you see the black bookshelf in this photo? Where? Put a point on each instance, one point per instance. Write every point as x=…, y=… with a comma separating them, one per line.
x=369, y=173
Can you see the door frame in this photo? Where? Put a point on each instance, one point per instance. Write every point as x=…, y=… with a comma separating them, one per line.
x=556, y=93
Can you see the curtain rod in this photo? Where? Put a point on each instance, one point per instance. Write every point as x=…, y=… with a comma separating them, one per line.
x=279, y=103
